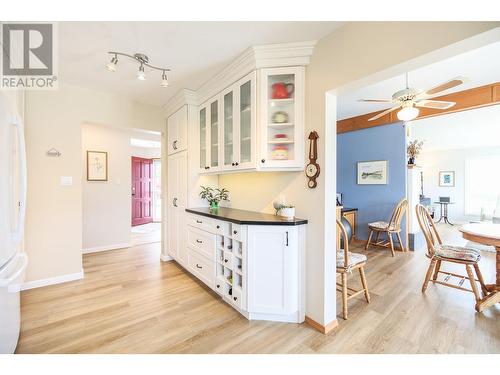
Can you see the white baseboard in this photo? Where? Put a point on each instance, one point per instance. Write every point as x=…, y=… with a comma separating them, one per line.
x=96, y=249
x=165, y=258
x=52, y=280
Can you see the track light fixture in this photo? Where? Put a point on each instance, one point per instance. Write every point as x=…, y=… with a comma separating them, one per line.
x=112, y=65
x=141, y=59
x=141, y=74
x=164, y=79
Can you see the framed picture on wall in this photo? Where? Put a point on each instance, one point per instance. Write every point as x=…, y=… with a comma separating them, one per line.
x=372, y=172
x=447, y=178
x=97, y=166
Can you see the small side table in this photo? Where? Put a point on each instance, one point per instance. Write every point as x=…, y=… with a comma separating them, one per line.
x=444, y=212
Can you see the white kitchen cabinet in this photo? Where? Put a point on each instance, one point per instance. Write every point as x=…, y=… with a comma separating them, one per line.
x=273, y=251
x=209, y=136
x=177, y=131
x=259, y=121
x=239, y=125
x=281, y=121
x=258, y=269
x=176, y=204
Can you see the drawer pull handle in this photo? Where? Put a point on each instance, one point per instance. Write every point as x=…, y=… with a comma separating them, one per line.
x=239, y=266
x=198, y=266
x=218, y=226
x=235, y=298
x=199, y=221
x=174, y=145
x=226, y=260
x=235, y=232
x=218, y=286
x=199, y=241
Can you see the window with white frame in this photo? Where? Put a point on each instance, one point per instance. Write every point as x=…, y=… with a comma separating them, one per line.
x=482, y=185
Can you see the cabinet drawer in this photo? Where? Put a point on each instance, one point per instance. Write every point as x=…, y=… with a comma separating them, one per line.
x=209, y=225
x=202, y=268
x=237, y=298
x=221, y=227
x=202, y=241
x=236, y=231
x=202, y=223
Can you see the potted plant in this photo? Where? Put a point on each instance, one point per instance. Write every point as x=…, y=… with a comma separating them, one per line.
x=214, y=196
x=286, y=210
x=413, y=150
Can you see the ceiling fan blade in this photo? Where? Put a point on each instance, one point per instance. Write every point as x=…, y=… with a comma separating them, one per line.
x=381, y=114
x=435, y=104
x=446, y=85
x=376, y=100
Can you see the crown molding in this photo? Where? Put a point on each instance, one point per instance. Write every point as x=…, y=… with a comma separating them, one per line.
x=238, y=68
x=255, y=57
x=288, y=54
x=183, y=97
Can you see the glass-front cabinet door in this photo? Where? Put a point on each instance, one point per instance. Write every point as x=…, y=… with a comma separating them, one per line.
x=282, y=118
x=203, y=139
x=214, y=135
x=246, y=130
x=209, y=136
x=246, y=108
x=228, y=121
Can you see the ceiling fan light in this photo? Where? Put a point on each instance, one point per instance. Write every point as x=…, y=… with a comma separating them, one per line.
x=141, y=74
x=164, y=80
x=408, y=113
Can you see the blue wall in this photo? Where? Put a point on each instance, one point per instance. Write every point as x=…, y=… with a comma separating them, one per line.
x=374, y=202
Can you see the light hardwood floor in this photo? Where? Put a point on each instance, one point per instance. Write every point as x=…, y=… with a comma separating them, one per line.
x=145, y=233
x=129, y=302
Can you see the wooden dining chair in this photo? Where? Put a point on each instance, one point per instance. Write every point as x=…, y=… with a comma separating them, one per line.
x=389, y=228
x=438, y=253
x=346, y=263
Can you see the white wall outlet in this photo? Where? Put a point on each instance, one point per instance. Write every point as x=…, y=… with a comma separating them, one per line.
x=66, y=181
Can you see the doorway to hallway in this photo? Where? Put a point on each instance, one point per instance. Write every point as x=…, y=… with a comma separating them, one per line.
x=142, y=191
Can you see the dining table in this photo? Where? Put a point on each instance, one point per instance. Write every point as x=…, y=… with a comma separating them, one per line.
x=486, y=234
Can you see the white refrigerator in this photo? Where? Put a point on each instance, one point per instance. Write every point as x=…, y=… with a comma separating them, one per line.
x=13, y=260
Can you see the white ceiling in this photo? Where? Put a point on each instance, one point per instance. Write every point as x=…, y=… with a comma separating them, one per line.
x=194, y=51
x=474, y=128
x=480, y=66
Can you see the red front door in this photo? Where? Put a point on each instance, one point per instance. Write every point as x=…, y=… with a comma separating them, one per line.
x=142, y=191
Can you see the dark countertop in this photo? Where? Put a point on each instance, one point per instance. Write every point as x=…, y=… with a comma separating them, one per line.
x=348, y=209
x=245, y=217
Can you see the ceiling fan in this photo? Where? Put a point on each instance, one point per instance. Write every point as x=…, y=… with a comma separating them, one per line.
x=409, y=99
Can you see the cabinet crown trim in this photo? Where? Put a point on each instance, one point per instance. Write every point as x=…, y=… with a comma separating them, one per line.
x=181, y=98
x=253, y=58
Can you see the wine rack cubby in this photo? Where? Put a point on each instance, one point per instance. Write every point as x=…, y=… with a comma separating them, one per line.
x=230, y=270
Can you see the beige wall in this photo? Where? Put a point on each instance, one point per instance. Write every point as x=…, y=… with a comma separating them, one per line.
x=53, y=237
x=106, y=205
x=357, y=50
x=146, y=152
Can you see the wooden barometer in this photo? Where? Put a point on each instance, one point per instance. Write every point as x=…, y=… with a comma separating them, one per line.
x=312, y=169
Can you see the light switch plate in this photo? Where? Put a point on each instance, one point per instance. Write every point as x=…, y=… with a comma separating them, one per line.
x=66, y=181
